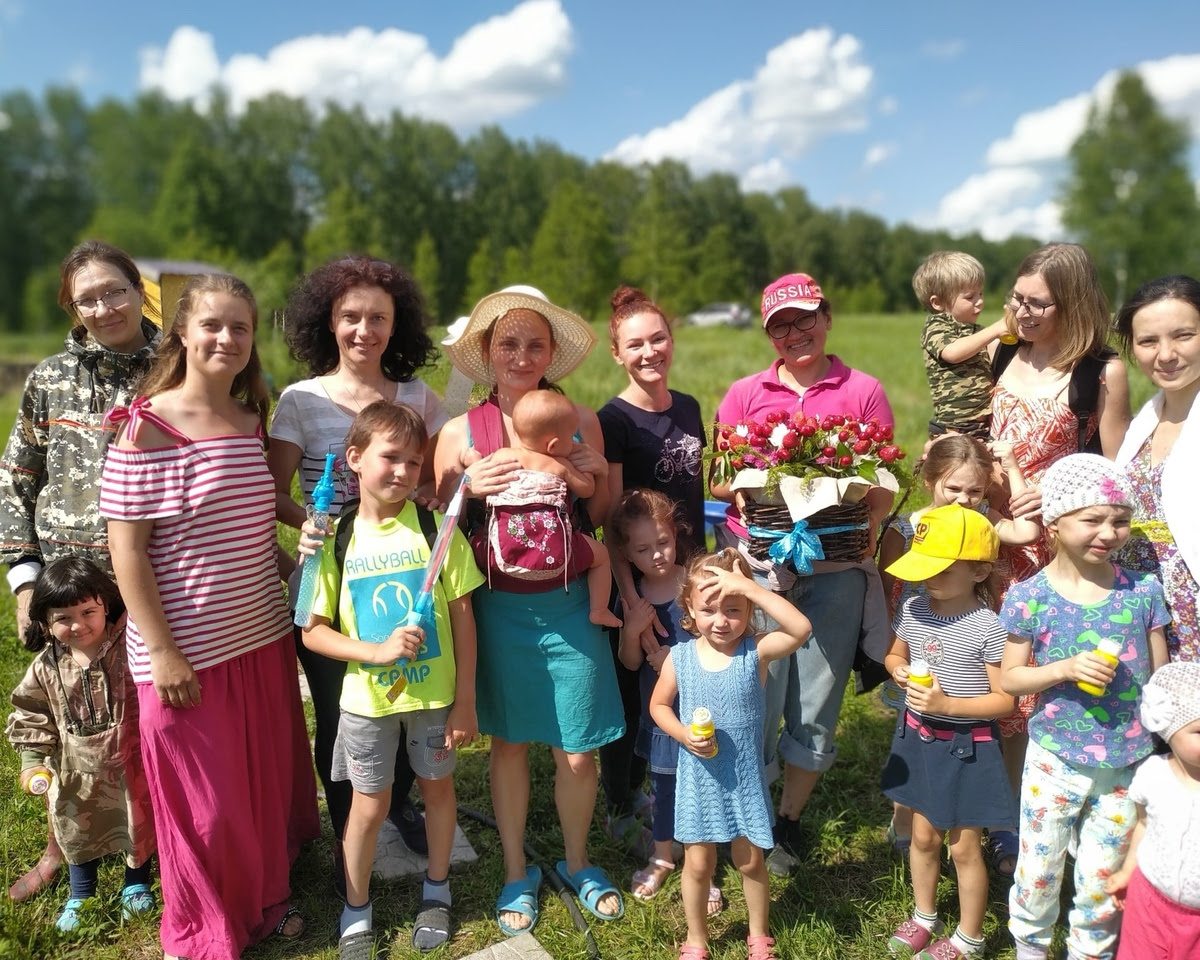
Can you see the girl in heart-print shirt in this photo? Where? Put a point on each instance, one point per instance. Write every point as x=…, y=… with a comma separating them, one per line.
x=1096, y=634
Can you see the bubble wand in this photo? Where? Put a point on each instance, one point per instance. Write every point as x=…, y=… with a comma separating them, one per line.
x=323, y=494
x=422, y=609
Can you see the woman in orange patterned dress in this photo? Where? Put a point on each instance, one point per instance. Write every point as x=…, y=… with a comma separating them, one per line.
x=1060, y=313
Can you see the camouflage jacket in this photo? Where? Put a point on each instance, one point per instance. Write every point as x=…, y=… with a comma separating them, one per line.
x=82, y=724
x=50, y=474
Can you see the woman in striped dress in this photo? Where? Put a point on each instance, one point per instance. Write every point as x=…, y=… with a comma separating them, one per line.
x=191, y=509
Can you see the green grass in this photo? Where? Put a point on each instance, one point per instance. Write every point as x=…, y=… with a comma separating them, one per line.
x=851, y=891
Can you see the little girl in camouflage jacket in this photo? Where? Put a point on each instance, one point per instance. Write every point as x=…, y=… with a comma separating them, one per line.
x=75, y=723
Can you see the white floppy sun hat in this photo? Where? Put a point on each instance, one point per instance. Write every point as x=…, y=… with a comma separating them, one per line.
x=573, y=337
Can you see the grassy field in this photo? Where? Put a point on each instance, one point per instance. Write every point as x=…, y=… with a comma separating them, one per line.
x=848, y=897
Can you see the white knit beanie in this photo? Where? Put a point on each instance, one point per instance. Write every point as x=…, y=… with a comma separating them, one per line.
x=1171, y=698
x=1083, y=480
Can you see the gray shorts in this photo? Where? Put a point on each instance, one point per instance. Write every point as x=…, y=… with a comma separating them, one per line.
x=365, y=749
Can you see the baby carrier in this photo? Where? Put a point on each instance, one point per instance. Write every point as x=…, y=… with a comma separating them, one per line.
x=526, y=532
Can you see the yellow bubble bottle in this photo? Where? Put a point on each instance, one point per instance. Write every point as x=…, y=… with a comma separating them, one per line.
x=702, y=726
x=1110, y=650
x=918, y=673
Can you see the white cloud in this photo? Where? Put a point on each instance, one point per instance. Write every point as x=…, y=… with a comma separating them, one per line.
x=1013, y=194
x=879, y=153
x=811, y=86
x=1042, y=135
x=888, y=106
x=944, y=49
x=495, y=69
x=766, y=177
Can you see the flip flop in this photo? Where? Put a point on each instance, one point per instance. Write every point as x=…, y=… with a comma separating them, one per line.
x=520, y=896
x=590, y=885
x=281, y=927
x=357, y=946
x=432, y=927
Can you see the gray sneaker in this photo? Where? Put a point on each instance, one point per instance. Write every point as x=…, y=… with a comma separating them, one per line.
x=784, y=858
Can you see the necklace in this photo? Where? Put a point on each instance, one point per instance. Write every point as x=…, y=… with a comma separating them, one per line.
x=344, y=389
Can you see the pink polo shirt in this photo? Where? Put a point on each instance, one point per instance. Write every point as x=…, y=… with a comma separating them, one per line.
x=841, y=390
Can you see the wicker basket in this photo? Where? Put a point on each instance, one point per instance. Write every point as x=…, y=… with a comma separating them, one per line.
x=848, y=545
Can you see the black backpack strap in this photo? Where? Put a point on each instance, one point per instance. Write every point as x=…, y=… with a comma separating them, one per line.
x=1002, y=358
x=341, y=540
x=1083, y=396
x=428, y=524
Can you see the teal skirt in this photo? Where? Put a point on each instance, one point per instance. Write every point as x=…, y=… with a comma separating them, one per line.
x=545, y=672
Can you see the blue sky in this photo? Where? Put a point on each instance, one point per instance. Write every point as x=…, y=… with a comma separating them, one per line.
x=948, y=114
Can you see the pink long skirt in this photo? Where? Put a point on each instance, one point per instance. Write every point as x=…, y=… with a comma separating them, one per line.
x=234, y=797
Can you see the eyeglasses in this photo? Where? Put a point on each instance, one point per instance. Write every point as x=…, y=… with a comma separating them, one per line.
x=88, y=306
x=1033, y=307
x=782, y=328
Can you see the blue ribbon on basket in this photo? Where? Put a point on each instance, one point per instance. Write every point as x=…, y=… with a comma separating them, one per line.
x=800, y=544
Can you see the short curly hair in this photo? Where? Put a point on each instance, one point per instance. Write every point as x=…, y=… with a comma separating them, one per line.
x=310, y=337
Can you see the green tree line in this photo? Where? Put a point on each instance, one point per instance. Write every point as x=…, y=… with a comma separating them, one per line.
x=278, y=189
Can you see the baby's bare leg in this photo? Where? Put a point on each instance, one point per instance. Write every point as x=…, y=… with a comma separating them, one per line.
x=599, y=580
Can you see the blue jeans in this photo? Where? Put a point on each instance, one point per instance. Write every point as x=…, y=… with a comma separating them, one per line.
x=805, y=690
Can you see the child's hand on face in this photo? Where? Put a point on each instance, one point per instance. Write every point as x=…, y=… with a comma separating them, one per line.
x=404, y=643
x=1089, y=667
x=723, y=583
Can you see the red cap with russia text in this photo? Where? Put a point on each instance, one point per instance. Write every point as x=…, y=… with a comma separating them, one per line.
x=797, y=290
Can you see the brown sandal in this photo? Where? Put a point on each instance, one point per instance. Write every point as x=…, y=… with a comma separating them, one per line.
x=761, y=948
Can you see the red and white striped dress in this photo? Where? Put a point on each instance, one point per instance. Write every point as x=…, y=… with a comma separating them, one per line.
x=213, y=543
x=231, y=780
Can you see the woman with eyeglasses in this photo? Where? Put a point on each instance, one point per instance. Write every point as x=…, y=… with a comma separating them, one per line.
x=1059, y=390
x=50, y=474
x=1060, y=313
x=806, y=688
x=359, y=326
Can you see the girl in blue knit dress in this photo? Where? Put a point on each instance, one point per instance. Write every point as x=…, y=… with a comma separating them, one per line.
x=721, y=795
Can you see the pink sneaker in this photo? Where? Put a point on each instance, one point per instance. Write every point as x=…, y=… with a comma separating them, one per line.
x=910, y=937
x=942, y=949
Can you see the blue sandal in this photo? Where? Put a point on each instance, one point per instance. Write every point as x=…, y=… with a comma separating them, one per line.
x=591, y=884
x=69, y=920
x=520, y=896
x=136, y=899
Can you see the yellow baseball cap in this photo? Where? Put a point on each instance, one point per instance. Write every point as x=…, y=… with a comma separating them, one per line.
x=942, y=536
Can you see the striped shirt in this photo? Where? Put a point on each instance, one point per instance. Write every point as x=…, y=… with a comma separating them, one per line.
x=957, y=649
x=307, y=418
x=212, y=547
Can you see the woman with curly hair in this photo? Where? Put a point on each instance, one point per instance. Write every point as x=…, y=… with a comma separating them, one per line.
x=359, y=326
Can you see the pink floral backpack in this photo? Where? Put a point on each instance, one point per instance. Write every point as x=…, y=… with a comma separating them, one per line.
x=526, y=535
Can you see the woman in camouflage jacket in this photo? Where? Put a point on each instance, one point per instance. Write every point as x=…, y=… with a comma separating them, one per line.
x=50, y=473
